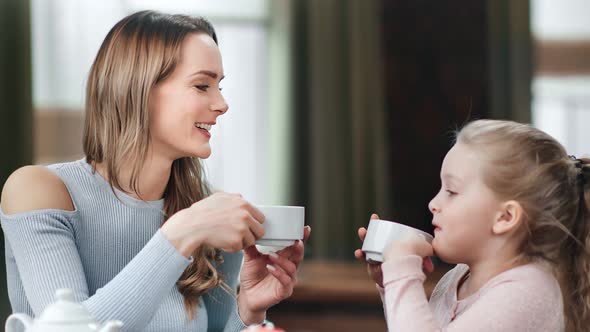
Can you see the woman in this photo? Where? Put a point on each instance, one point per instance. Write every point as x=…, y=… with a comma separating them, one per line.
x=133, y=228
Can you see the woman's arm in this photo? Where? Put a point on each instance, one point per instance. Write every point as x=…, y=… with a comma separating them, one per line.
x=37, y=220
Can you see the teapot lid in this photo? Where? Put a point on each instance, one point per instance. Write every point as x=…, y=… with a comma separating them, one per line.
x=65, y=309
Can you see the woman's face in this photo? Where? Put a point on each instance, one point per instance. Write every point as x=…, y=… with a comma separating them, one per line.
x=186, y=104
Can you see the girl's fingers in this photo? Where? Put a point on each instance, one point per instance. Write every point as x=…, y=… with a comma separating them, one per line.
x=428, y=265
x=297, y=251
x=306, y=233
x=359, y=254
x=426, y=249
x=362, y=233
x=375, y=268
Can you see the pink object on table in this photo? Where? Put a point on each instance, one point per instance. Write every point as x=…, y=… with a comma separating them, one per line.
x=264, y=327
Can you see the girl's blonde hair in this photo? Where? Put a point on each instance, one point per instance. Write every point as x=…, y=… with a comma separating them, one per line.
x=531, y=167
x=140, y=51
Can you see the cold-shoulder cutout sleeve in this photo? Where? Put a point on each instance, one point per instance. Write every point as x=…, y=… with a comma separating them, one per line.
x=33, y=188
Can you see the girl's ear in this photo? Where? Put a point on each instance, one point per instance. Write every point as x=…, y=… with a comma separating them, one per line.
x=510, y=218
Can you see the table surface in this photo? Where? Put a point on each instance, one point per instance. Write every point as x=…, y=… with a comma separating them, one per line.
x=331, y=281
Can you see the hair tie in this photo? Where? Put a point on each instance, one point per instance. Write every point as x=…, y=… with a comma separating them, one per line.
x=579, y=163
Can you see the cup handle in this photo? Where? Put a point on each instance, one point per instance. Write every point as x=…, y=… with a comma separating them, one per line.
x=11, y=322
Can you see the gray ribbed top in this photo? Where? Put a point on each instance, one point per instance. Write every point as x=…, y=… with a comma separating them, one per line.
x=111, y=253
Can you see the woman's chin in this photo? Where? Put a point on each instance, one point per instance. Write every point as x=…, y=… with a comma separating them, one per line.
x=203, y=152
x=204, y=155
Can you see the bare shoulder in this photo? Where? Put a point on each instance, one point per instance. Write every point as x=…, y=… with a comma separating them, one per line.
x=34, y=188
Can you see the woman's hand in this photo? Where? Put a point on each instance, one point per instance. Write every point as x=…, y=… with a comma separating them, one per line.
x=222, y=221
x=266, y=280
x=374, y=269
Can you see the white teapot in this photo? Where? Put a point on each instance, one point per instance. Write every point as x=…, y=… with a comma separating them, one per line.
x=65, y=315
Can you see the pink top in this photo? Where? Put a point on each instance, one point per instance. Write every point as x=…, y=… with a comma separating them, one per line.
x=525, y=298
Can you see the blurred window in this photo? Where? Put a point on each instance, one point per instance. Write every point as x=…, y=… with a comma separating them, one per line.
x=66, y=35
x=561, y=83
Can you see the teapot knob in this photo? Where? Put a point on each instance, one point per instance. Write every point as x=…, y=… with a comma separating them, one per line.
x=64, y=294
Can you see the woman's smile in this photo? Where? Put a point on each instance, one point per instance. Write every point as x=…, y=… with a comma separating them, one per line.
x=204, y=129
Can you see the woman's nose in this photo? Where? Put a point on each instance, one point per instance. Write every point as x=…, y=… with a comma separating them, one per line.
x=220, y=105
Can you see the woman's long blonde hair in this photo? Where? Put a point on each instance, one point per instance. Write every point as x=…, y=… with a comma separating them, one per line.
x=531, y=167
x=140, y=51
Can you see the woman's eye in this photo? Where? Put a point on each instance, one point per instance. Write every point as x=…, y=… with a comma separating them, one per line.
x=202, y=87
x=451, y=193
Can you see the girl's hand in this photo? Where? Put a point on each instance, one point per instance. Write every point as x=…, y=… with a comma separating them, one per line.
x=222, y=221
x=374, y=269
x=411, y=244
x=266, y=280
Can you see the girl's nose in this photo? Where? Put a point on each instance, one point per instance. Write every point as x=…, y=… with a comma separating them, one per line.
x=433, y=207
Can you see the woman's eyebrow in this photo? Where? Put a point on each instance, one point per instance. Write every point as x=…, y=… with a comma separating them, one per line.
x=208, y=73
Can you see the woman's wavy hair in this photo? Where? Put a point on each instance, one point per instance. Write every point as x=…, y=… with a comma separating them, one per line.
x=527, y=165
x=140, y=51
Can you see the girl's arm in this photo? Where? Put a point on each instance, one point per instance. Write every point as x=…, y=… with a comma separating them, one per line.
x=523, y=300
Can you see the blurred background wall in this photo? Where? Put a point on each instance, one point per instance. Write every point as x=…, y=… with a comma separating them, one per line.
x=343, y=106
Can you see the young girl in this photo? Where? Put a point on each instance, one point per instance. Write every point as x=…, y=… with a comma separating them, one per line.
x=513, y=214
x=95, y=225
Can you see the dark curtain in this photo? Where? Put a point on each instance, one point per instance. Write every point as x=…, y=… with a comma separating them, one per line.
x=511, y=59
x=379, y=87
x=15, y=105
x=339, y=139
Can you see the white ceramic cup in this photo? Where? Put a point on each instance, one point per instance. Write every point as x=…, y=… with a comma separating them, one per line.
x=283, y=225
x=380, y=233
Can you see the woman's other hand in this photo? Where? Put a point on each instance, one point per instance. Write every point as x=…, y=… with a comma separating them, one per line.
x=266, y=280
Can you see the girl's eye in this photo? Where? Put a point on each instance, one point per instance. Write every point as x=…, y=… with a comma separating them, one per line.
x=202, y=87
x=451, y=193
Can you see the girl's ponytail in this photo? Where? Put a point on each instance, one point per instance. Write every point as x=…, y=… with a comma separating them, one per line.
x=574, y=265
x=531, y=167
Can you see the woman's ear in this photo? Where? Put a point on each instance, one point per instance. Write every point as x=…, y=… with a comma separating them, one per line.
x=510, y=218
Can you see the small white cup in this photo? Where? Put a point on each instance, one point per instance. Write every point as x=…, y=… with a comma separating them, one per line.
x=283, y=225
x=380, y=233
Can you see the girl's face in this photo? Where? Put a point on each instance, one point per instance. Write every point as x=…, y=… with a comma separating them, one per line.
x=464, y=210
x=186, y=104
